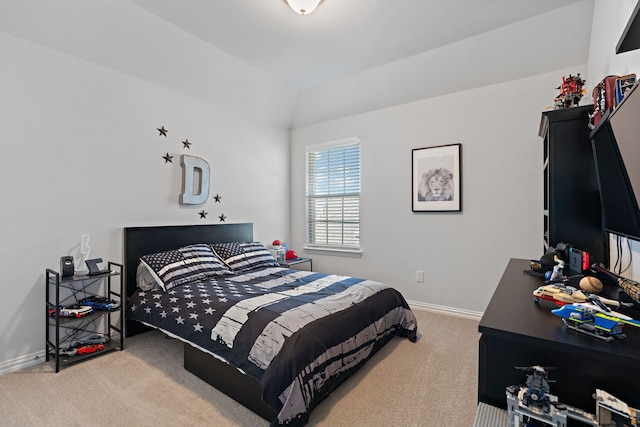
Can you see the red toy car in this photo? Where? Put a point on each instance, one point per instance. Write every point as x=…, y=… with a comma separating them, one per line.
x=92, y=348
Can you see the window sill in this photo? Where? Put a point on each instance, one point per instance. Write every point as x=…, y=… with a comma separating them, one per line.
x=354, y=253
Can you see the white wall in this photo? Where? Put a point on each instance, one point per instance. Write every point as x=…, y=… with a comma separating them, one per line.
x=81, y=154
x=495, y=116
x=609, y=21
x=463, y=254
x=123, y=37
x=523, y=49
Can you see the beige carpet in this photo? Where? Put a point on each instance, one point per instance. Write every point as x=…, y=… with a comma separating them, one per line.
x=430, y=383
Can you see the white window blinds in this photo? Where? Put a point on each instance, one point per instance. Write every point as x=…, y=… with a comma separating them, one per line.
x=333, y=195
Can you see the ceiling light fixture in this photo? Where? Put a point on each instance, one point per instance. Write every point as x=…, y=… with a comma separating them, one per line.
x=303, y=7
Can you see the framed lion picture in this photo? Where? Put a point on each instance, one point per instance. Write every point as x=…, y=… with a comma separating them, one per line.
x=436, y=178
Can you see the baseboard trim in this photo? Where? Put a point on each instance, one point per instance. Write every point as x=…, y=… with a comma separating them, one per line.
x=468, y=314
x=22, y=362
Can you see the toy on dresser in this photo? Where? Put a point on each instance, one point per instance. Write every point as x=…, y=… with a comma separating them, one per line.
x=561, y=295
x=595, y=319
x=630, y=287
x=581, y=309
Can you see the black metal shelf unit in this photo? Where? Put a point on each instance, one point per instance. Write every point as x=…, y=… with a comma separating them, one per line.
x=63, y=332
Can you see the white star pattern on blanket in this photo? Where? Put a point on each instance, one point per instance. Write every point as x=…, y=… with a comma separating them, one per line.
x=188, y=303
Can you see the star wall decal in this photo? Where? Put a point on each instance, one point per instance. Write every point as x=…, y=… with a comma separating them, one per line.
x=203, y=214
x=222, y=218
x=186, y=144
x=217, y=198
x=163, y=131
x=167, y=158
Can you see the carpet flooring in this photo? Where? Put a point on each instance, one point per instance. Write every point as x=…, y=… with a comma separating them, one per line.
x=430, y=383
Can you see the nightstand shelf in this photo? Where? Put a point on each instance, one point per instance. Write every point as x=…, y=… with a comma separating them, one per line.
x=298, y=264
x=98, y=332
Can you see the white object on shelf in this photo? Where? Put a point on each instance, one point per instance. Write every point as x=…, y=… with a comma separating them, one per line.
x=85, y=250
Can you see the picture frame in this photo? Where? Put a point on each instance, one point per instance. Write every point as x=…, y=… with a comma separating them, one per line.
x=436, y=175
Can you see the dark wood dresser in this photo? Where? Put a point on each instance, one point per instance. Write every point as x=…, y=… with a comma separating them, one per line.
x=516, y=331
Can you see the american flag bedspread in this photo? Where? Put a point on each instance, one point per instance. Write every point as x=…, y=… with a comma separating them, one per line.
x=299, y=333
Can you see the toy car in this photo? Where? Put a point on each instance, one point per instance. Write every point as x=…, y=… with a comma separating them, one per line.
x=96, y=339
x=91, y=348
x=71, y=311
x=100, y=303
x=68, y=351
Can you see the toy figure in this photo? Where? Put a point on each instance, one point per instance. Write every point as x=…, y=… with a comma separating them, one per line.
x=537, y=388
x=571, y=91
x=558, y=272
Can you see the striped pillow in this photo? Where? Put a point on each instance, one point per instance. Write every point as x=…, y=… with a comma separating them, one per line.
x=243, y=256
x=188, y=264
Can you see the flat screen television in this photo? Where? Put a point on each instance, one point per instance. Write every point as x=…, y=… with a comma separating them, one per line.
x=616, y=149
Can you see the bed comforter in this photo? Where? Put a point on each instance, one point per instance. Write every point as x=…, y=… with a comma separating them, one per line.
x=299, y=333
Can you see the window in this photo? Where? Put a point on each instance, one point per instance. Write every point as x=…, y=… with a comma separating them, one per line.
x=333, y=195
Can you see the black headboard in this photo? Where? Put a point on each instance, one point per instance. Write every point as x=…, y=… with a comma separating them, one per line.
x=139, y=241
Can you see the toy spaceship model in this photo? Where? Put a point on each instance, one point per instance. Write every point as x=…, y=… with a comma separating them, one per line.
x=532, y=403
x=595, y=319
x=561, y=295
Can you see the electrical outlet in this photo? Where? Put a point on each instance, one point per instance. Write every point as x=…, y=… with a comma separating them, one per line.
x=419, y=276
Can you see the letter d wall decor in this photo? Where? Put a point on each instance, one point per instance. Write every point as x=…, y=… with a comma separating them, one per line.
x=195, y=180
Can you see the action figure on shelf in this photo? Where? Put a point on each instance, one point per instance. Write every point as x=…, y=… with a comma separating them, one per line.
x=571, y=91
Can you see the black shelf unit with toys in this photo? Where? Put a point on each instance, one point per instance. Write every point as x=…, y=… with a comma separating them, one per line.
x=572, y=210
x=98, y=332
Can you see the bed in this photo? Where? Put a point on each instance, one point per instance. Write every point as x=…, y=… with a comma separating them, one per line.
x=274, y=339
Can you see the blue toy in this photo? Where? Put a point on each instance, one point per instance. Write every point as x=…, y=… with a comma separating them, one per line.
x=595, y=319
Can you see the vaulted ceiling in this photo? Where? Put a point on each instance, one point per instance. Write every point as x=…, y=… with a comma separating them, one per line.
x=266, y=62
x=341, y=37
